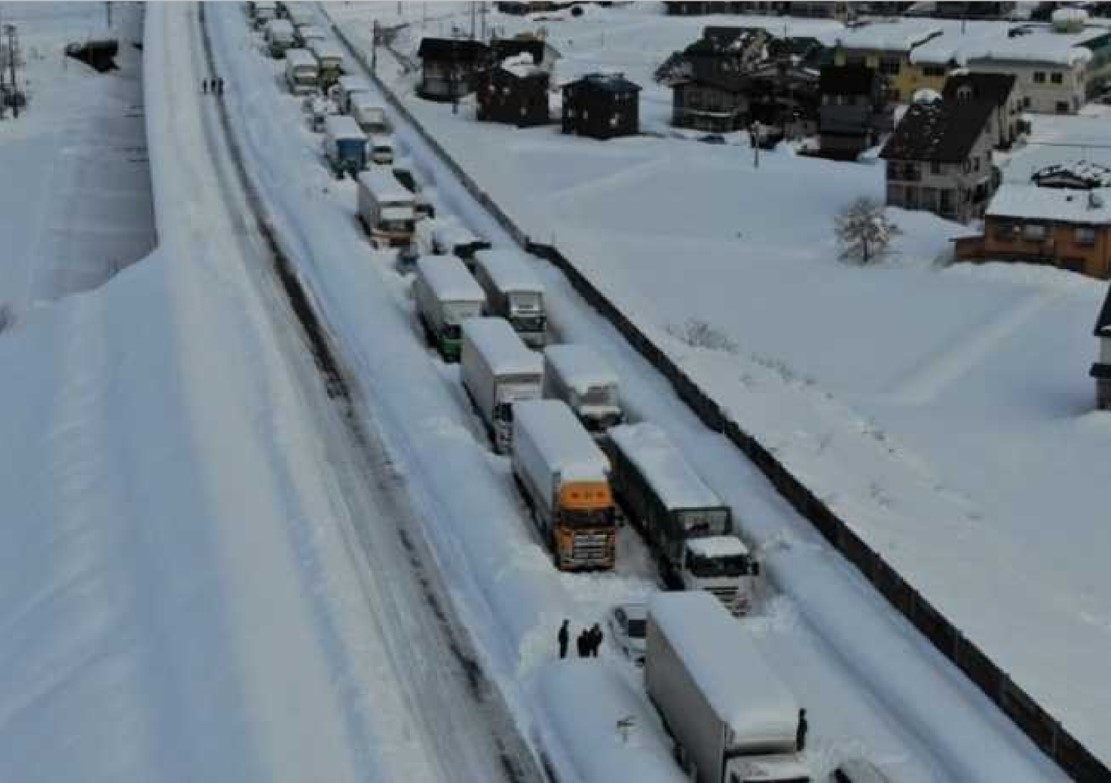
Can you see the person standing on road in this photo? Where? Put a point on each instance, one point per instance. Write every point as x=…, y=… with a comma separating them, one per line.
x=583, y=643
x=800, y=733
x=220, y=85
x=595, y=640
x=564, y=638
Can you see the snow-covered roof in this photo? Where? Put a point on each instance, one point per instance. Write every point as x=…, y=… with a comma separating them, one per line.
x=522, y=66
x=300, y=58
x=900, y=35
x=279, y=27
x=1081, y=172
x=721, y=657
x=1030, y=202
x=561, y=440
x=1069, y=16
x=384, y=185
x=717, y=546
x=509, y=271
x=1027, y=42
x=341, y=126
x=663, y=466
x=502, y=347
x=326, y=49
x=381, y=140
x=580, y=367
x=449, y=279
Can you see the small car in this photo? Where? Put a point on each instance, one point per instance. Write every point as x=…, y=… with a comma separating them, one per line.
x=628, y=625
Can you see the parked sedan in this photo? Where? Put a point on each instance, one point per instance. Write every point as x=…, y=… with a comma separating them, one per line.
x=628, y=624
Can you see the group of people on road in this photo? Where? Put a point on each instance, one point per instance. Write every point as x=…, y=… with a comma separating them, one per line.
x=587, y=643
x=214, y=86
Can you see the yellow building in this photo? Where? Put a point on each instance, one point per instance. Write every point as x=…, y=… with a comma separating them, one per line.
x=887, y=47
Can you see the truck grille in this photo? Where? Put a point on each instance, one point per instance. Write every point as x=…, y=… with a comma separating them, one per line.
x=590, y=549
x=730, y=598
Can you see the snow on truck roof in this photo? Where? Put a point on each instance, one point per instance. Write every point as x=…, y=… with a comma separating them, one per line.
x=561, y=440
x=326, y=48
x=580, y=367
x=509, y=270
x=279, y=26
x=725, y=663
x=663, y=466
x=384, y=185
x=350, y=82
x=502, y=347
x=340, y=126
x=449, y=279
x=300, y=58
x=717, y=546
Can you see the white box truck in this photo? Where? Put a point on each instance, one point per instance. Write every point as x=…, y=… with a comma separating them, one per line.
x=564, y=478
x=279, y=37
x=582, y=379
x=446, y=295
x=301, y=73
x=731, y=716
x=370, y=114
x=264, y=11
x=447, y=235
x=386, y=208
x=514, y=292
x=497, y=371
x=300, y=14
x=381, y=149
x=330, y=58
x=685, y=523
x=346, y=88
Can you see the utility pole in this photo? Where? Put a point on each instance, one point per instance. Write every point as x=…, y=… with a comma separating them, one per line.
x=108, y=12
x=13, y=92
x=374, y=48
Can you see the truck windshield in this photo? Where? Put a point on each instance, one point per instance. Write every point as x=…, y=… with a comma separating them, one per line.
x=598, y=395
x=636, y=629
x=452, y=331
x=588, y=517
x=503, y=411
x=709, y=567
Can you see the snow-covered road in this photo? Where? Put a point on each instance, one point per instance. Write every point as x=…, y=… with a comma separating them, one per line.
x=407, y=700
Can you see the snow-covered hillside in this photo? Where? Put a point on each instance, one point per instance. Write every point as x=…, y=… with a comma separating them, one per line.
x=944, y=410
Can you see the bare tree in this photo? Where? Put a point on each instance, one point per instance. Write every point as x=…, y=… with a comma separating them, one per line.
x=864, y=232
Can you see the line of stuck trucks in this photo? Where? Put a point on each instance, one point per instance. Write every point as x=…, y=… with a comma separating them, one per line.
x=555, y=409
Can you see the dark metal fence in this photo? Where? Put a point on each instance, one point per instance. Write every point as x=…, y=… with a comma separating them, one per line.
x=1041, y=727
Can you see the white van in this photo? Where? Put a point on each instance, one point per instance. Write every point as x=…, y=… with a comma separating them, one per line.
x=301, y=73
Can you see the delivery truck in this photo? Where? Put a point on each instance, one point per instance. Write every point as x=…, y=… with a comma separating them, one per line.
x=370, y=115
x=386, y=209
x=346, y=88
x=301, y=73
x=344, y=145
x=279, y=37
x=446, y=295
x=731, y=716
x=381, y=149
x=498, y=371
x=564, y=478
x=331, y=61
x=513, y=292
x=685, y=523
x=582, y=379
x=446, y=235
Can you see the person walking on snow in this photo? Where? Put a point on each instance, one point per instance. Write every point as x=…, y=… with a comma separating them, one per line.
x=583, y=643
x=595, y=640
x=564, y=637
x=220, y=85
x=205, y=86
x=800, y=733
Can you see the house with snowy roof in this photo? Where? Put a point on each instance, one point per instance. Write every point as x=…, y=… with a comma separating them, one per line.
x=515, y=92
x=1078, y=175
x=449, y=66
x=602, y=106
x=1067, y=228
x=999, y=89
x=887, y=47
x=1101, y=369
x=853, y=110
x=939, y=159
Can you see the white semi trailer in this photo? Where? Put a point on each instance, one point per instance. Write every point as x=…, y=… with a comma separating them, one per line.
x=582, y=379
x=498, y=371
x=513, y=292
x=731, y=716
x=446, y=295
x=684, y=521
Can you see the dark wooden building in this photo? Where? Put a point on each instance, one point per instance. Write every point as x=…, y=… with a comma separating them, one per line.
x=602, y=106
x=853, y=111
x=514, y=92
x=449, y=67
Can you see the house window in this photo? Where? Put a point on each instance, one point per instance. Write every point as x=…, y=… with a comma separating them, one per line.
x=1062, y=107
x=889, y=66
x=933, y=70
x=935, y=167
x=1084, y=235
x=947, y=203
x=976, y=163
x=1055, y=77
x=1039, y=77
x=929, y=199
x=1003, y=231
x=1033, y=232
x=895, y=195
x=964, y=93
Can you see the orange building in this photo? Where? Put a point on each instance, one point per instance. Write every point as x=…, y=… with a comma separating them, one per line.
x=1067, y=228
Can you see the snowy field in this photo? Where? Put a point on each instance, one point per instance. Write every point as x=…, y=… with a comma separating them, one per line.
x=76, y=194
x=945, y=411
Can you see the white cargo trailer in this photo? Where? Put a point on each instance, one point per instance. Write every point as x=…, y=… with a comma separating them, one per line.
x=386, y=208
x=370, y=114
x=684, y=521
x=514, y=292
x=446, y=295
x=300, y=14
x=498, y=370
x=731, y=716
x=279, y=37
x=347, y=87
x=381, y=149
x=564, y=477
x=582, y=379
x=301, y=73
